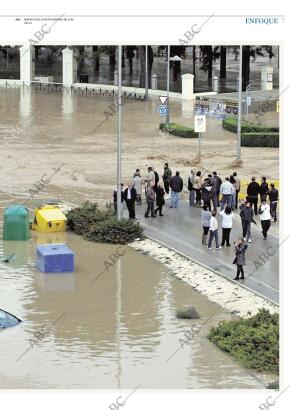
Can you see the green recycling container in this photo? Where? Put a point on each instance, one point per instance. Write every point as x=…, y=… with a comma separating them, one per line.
x=16, y=223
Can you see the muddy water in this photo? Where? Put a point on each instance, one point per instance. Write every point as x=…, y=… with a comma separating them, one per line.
x=118, y=331
x=40, y=130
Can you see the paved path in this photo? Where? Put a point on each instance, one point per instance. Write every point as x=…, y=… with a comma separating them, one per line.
x=181, y=229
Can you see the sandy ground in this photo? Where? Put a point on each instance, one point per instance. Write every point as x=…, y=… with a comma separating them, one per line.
x=39, y=131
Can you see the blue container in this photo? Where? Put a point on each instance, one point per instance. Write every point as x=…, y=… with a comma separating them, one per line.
x=54, y=258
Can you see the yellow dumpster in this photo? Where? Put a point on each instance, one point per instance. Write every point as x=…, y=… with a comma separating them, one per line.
x=49, y=218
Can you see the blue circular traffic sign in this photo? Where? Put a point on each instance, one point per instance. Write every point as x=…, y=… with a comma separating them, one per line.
x=162, y=109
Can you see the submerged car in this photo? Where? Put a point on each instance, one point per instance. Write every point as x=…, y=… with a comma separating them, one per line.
x=8, y=320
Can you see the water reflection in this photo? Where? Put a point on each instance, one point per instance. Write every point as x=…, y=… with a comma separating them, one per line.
x=115, y=332
x=21, y=251
x=26, y=103
x=68, y=101
x=56, y=282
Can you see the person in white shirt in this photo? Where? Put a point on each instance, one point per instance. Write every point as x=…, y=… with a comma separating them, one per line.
x=227, y=216
x=213, y=231
x=265, y=218
x=226, y=190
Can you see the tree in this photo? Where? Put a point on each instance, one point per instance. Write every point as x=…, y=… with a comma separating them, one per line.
x=141, y=50
x=208, y=55
x=96, y=58
x=130, y=54
x=223, y=62
x=112, y=62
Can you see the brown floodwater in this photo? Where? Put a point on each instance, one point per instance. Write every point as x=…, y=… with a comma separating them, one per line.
x=117, y=331
x=41, y=130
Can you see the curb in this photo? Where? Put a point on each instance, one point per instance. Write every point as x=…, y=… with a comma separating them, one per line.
x=212, y=270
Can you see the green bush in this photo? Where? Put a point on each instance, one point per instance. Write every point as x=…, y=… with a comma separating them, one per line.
x=260, y=139
x=101, y=225
x=178, y=130
x=230, y=124
x=82, y=218
x=253, y=341
x=188, y=312
x=273, y=385
x=114, y=231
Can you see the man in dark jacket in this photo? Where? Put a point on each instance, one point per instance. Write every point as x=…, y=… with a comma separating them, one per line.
x=176, y=185
x=214, y=191
x=129, y=198
x=246, y=215
x=252, y=191
x=273, y=196
x=207, y=192
x=264, y=187
x=167, y=177
x=218, y=182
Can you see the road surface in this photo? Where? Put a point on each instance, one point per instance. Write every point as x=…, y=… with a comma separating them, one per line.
x=181, y=230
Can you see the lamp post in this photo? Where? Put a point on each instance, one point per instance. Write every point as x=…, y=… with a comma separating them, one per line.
x=175, y=58
x=146, y=74
x=119, y=143
x=238, y=154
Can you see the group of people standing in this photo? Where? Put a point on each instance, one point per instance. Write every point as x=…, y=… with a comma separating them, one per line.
x=209, y=194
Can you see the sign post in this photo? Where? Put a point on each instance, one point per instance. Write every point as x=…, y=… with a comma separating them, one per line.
x=199, y=126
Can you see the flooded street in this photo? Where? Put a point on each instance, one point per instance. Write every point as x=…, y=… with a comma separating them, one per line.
x=120, y=330
x=41, y=130
x=117, y=331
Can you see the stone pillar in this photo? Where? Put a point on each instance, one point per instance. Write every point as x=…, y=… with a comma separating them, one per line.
x=69, y=67
x=154, y=82
x=187, y=87
x=267, y=78
x=26, y=63
x=215, y=84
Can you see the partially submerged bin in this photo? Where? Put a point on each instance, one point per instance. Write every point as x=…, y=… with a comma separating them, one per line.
x=16, y=223
x=49, y=218
x=54, y=258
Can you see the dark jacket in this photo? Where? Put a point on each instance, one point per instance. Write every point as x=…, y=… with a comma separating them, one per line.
x=167, y=175
x=133, y=194
x=160, y=192
x=240, y=254
x=207, y=189
x=214, y=184
x=253, y=189
x=273, y=194
x=176, y=183
x=218, y=182
x=264, y=188
x=246, y=213
x=115, y=196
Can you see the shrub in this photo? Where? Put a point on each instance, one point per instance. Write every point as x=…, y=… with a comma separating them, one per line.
x=82, y=218
x=230, y=124
x=102, y=225
x=260, y=139
x=253, y=341
x=273, y=385
x=178, y=130
x=188, y=312
x=114, y=231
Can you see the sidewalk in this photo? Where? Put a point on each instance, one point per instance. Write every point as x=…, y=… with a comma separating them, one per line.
x=181, y=229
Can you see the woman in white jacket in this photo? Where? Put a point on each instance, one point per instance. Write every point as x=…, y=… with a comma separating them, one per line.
x=265, y=218
x=227, y=216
